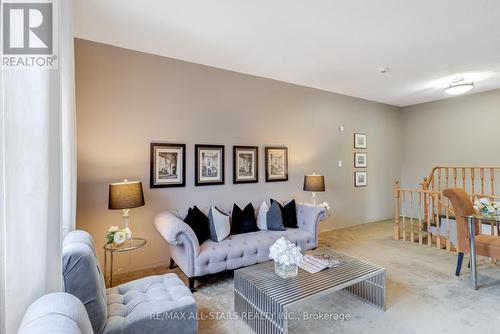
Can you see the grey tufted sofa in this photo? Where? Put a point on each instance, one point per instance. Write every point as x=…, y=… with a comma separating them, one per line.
x=235, y=251
x=154, y=304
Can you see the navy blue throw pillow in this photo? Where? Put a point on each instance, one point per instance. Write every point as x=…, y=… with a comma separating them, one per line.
x=243, y=221
x=289, y=213
x=198, y=221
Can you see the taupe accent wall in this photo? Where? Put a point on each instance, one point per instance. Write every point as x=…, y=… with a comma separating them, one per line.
x=461, y=131
x=127, y=99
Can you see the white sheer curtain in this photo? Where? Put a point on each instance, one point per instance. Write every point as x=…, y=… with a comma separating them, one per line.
x=68, y=119
x=37, y=176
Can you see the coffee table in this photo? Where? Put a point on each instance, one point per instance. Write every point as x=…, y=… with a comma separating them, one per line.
x=262, y=298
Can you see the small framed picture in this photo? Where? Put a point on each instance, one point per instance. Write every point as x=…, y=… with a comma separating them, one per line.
x=360, y=140
x=360, y=179
x=276, y=164
x=245, y=164
x=209, y=165
x=167, y=165
x=360, y=160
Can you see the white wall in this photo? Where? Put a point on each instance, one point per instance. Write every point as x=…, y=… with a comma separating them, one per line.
x=456, y=131
x=127, y=99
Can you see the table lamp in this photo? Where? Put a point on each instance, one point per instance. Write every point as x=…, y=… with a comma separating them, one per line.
x=314, y=183
x=125, y=196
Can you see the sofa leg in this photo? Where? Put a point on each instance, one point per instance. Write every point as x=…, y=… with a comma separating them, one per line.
x=459, y=263
x=171, y=265
x=191, y=284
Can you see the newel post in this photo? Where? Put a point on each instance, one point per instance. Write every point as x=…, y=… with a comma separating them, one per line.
x=396, y=209
x=425, y=186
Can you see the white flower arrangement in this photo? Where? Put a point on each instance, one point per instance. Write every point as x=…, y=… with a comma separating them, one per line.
x=485, y=206
x=117, y=236
x=285, y=252
x=326, y=206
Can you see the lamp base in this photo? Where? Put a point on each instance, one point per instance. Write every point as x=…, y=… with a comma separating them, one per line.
x=125, y=221
x=314, y=198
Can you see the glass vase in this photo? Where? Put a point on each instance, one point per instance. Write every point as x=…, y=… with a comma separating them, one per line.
x=285, y=270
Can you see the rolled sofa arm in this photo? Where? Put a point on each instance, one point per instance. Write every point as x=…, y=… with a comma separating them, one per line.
x=57, y=312
x=309, y=216
x=183, y=243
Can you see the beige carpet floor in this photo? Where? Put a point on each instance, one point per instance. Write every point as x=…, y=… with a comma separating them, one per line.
x=423, y=295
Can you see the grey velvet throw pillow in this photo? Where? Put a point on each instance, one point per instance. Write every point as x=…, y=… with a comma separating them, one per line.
x=275, y=218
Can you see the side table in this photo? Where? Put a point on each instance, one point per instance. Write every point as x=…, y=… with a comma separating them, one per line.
x=127, y=246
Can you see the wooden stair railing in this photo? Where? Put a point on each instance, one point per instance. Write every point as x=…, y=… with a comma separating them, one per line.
x=413, y=223
x=462, y=177
x=470, y=178
x=419, y=212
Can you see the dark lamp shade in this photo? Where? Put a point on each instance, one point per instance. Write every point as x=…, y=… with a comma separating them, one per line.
x=125, y=195
x=314, y=183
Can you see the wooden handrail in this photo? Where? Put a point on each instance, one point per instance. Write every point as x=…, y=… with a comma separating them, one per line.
x=428, y=180
x=419, y=190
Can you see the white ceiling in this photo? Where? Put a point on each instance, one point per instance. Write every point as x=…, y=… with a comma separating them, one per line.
x=333, y=45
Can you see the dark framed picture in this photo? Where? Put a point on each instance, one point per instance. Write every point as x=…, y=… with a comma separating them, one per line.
x=209, y=165
x=360, y=179
x=360, y=141
x=245, y=164
x=168, y=163
x=276, y=164
x=360, y=160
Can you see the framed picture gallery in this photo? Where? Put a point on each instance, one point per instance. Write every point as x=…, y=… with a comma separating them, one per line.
x=209, y=164
x=167, y=165
x=276, y=161
x=245, y=164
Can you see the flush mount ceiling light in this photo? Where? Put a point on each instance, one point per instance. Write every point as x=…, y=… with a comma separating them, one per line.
x=459, y=87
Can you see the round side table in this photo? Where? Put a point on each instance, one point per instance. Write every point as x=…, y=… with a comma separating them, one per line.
x=127, y=246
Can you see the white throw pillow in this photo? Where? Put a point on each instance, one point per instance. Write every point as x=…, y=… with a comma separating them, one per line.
x=262, y=216
x=218, y=224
